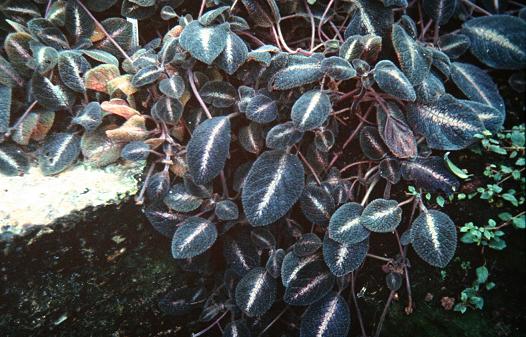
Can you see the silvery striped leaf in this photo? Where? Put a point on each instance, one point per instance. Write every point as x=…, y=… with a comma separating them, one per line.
x=53, y=97
x=308, y=244
x=434, y=237
x=344, y=258
x=441, y=62
x=44, y=57
x=273, y=185
x=431, y=174
x=17, y=47
x=237, y=328
x=234, y=54
x=414, y=60
x=371, y=143
x=252, y=137
x=324, y=140
x=395, y=132
x=90, y=117
x=158, y=186
x=338, y=68
x=180, y=200
x=71, y=67
x=98, y=149
x=8, y=75
x=369, y=17
x=430, y=89
x=311, y=110
x=204, y=43
x=263, y=239
x=446, y=123
x=245, y=93
x=121, y=32
x=136, y=150
x=389, y=169
x=439, y=10
x=146, y=75
x=208, y=148
x=283, y=135
x=352, y=48
x=297, y=74
x=209, y=17
x=329, y=317
x=58, y=152
x=226, y=210
x=381, y=216
x=309, y=285
x=172, y=87
x=220, y=94
x=498, y=41
x=77, y=22
x=167, y=110
x=256, y=292
x=274, y=263
x=193, y=237
x=101, y=56
x=261, y=109
x=316, y=204
x=476, y=85
x=393, y=281
x=393, y=81
x=372, y=46
x=44, y=31
x=293, y=264
x=409, y=25
x=13, y=161
x=454, y=44
x=345, y=226
x=35, y=126
x=240, y=254
x=6, y=94
x=492, y=118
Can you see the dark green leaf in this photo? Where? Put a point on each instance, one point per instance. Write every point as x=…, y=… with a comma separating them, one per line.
x=193, y=238
x=13, y=161
x=345, y=226
x=381, y=216
x=58, y=153
x=311, y=110
x=393, y=81
x=256, y=292
x=344, y=258
x=204, y=43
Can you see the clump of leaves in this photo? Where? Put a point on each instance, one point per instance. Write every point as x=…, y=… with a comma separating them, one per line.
x=286, y=150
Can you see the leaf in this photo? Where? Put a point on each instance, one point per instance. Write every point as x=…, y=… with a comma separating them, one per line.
x=135, y=151
x=179, y=199
x=439, y=10
x=344, y=258
x=446, y=123
x=307, y=245
x=146, y=75
x=48, y=34
x=282, y=136
x=101, y=56
x=172, y=87
x=237, y=328
x=345, y=226
x=97, y=78
x=208, y=149
x=256, y=292
x=53, y=97
x=234, y=54
x=13, y=161
x=338, y=68
x=8, y=75
x=274, y=263
x=372, y=144
x=310, y=284
x=252, y=138
x=434, y=237
x=263, y=239
x=182, y=300
x=352, y=48
x=389, y=169
x=209, y=17
x=476, y=85
x=119, y=107
x=121, y=85
x=100, y=5
x=167, y=110
x=329, y=317
x=18, y=50
x=273, y=185
x=430, y=174
x=454, y=168
x=44, y=57
x=311, y=110
x=303, y=72
x=498, y=41
x=241, y=254
x=369, y=17
x=98, y=149
x=316, y=204
x=492, y=118
x=120, y=31
x=381, y=216
x=6, y=94
x=220, y=94
x=454, y=44
x=293, y=264
x=90, y=117
x=227, y=210
x=261, y=109
x=414, y=60
x=393, y=81
x=324, y=140
x=204, y=43
x=395, y=132
x=58, y=153
x=430, y=89
x=393, y=281
x=195, y=236
x=77, y=22
x=133, y=129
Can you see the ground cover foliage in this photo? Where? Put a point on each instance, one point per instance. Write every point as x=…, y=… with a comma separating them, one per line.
x=279, y=135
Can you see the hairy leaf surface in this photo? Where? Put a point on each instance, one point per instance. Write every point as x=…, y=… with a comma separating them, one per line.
x=381, y=216
x=204, y=43
x=193, y=237
x=344, y=258
x=345, y=226
x=311, y=110
x=58, y=152
x=430, y=173
x=329, y=317
x=256, y=292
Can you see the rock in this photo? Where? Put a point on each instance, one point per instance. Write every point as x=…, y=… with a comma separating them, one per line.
x=34, y=201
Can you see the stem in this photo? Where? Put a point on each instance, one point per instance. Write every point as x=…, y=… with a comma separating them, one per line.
x=406, y=201
x=224, y=184
x=202, y=8
x=329, y=5
x=381, y=258
x=309, y=166
x=384, y=313
x=196, y=93
x=101, y=27
x=140, y=198
x=313, y=28
x=211, y=325
x=475, y=7
x=354, y=164
x=21, y=119
x=369, y=190
x=358, y=313
x=273, y=321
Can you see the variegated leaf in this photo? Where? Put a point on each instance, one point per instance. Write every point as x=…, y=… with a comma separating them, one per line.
x=430, y=173
x=369, y=17
x=317, y=204
x=345, y=226
x=381, y=216
x=5, y=108
x=180, y=200
x=13, y=161
x=309, y=285
x=204, y=43
x=440, y=10
x=234, y=54
x=329, y=317
x=193, y=237
x=344, y=258
x=261, y=109
x=395, y=132
x=414, y=59
x=58, y=152
x=297, y=74
x=311, y=110
x=283, y=135
x=393, y=81
x=256, y=292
